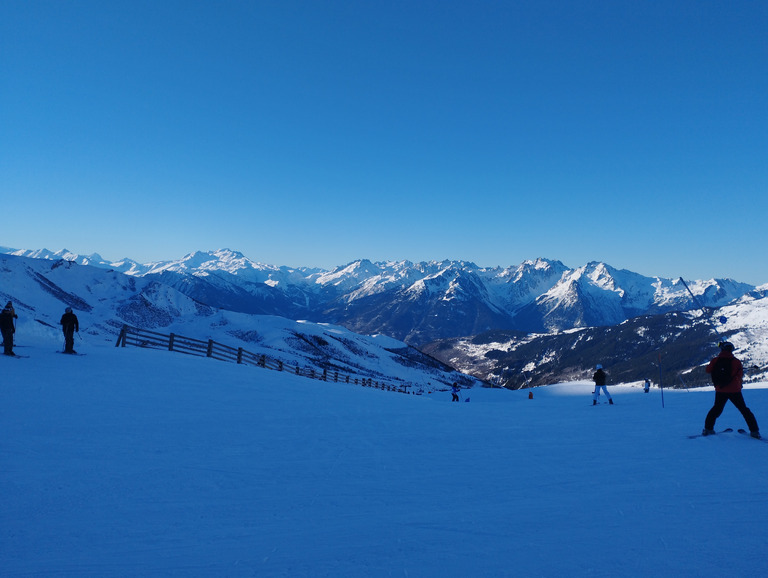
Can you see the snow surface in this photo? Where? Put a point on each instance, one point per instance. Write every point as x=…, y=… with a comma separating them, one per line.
x=131, y=462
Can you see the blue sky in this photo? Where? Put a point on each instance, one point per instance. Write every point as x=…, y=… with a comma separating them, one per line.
x=317, y=133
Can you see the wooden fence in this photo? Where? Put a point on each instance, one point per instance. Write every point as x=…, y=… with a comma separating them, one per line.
x=137, y=337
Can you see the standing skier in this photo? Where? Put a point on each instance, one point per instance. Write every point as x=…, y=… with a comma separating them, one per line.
x=599, y=379
x=69, y=325
x=728, y=388
x=455, y=392
x=647, y=386
x=7, y=327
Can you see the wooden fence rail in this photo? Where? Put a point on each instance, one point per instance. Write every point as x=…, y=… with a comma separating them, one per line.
x=137, y=337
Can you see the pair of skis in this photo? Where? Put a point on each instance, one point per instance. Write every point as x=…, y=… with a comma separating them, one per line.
x=19, y=356
x=730, y=430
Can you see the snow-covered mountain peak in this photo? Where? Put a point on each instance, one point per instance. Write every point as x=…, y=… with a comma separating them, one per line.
x=600, y=275
x=537, y=265
x=219, y=260
x=349, y=275
x=223, y=262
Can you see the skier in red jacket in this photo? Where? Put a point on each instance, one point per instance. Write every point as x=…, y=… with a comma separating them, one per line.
x=728, y=390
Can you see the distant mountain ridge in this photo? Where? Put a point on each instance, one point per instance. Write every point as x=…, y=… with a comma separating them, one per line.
x=423, y=302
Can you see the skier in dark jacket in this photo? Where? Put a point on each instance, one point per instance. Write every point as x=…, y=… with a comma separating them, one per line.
x=731, y=391
x=455, y=392
x=7, y=327
x=69, y=325
x=599, y=378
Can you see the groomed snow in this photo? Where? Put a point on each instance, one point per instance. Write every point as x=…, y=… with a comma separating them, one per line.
x=129, y=462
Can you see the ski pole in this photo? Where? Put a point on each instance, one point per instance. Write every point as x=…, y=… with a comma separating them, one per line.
x=661, y=385
x=709, y=317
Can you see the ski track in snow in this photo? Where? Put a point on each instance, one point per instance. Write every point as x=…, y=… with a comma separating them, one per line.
x=132, y=462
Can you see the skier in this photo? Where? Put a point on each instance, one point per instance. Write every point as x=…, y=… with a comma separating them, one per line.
x=455, y=392
x=599, y=379
x=69, y=324
x=7, y=327
x=728, y=390
x=647, y=385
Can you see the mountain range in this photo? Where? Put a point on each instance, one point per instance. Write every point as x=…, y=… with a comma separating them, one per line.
x=535, y=323
x=422, y=302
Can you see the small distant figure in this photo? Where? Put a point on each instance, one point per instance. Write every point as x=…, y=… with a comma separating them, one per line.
x=8, y=327
x=726, y=372
x=647, y=386
x=69, y=325
x=599, y=377
x=455, y=391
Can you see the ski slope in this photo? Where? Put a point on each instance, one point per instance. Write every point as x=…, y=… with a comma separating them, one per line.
x=130, y=462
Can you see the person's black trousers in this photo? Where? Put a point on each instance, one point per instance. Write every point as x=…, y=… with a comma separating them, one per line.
x=736, y=399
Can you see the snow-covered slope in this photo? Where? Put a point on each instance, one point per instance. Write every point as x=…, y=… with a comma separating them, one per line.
x=130, y=462
x=745, y=323
x=105, y=300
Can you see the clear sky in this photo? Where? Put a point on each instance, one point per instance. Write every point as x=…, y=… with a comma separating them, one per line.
x=315, y=133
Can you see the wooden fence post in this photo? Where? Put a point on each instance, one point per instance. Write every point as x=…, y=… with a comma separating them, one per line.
x=239, y=355
x=210, y=348
x=121, y=337
x=170, y=341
